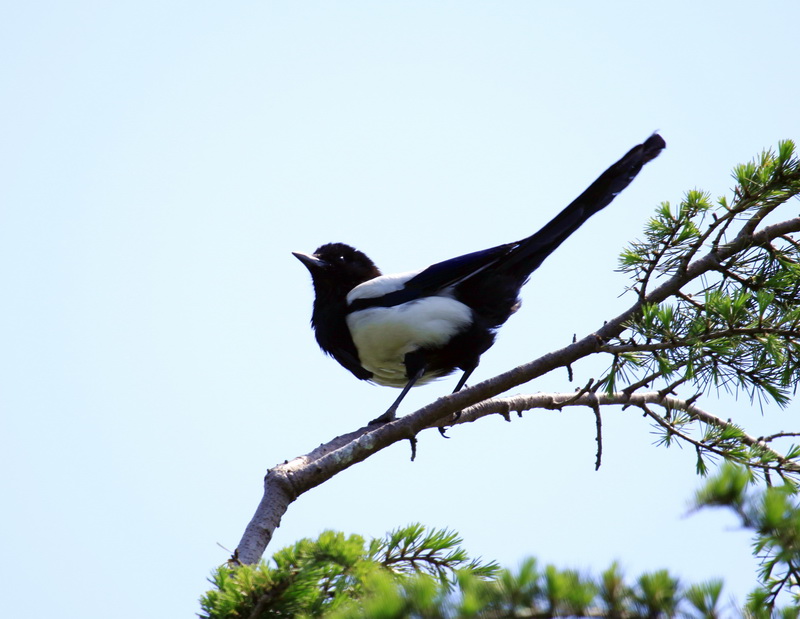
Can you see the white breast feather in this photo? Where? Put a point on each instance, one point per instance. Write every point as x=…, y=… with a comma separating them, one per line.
x=383, y=335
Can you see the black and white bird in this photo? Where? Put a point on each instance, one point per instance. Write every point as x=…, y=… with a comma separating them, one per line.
x=410, y=328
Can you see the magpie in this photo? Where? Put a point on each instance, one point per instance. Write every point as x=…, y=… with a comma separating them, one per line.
x=410, y=328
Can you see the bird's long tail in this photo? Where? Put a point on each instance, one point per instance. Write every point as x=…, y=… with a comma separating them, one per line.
x=531, y=252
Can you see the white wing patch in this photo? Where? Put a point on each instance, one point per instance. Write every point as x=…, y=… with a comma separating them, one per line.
x=384, y=335
x=379, y=286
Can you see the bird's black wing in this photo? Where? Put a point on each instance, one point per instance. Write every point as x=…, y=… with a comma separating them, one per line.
x=436, y=278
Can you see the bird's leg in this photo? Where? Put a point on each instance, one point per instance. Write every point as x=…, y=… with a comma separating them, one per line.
x=391, y=413
x=461, y=382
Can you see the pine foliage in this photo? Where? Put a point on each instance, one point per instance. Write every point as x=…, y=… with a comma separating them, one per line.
x=734, y=328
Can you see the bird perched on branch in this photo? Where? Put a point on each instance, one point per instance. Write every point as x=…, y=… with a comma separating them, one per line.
x=410, y=328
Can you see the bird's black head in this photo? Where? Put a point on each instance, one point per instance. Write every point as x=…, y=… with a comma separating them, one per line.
x=337, y=268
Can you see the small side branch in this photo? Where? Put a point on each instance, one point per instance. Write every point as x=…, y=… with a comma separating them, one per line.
x=599, y=436
x=558, y=401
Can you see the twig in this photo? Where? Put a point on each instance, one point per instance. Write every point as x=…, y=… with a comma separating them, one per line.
x=599, y=436
x=556, y=401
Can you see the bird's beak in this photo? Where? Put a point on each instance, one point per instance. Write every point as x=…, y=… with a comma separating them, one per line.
x=311, y=261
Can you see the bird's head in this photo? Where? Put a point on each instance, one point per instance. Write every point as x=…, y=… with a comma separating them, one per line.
x=337, y=268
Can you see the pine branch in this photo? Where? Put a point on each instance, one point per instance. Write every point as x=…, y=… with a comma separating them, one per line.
x=751, y=332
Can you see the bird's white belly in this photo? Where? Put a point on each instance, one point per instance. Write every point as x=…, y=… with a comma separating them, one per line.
x=384, y=335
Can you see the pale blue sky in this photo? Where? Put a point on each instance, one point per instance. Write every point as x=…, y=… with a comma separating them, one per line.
x=161, y=161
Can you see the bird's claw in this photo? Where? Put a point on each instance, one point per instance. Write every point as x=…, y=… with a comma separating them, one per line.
x=443, y=429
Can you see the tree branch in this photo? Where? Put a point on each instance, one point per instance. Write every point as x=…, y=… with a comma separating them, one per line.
x=752, y=332
x=287, y=481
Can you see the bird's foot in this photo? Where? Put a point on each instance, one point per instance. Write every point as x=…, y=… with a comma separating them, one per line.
x=456, y=417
